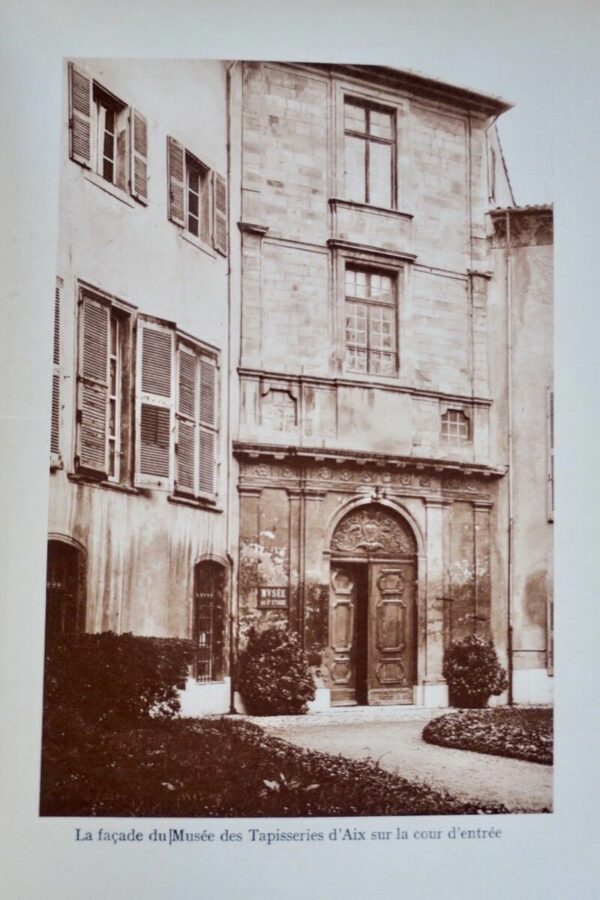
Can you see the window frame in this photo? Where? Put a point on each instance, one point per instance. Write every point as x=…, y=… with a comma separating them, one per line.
x=371, y=303
x=368, y=138
x=446, y=435
x=381, y=262
x=213, y=208
x=123, y=312
x=87, y=97
x=203, y=352
x=345, y=89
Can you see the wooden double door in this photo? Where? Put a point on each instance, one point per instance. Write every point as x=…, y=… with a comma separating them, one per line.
x=372, y=630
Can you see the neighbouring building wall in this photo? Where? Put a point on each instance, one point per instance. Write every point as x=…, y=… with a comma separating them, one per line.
x=124, y=243
x=522, y=242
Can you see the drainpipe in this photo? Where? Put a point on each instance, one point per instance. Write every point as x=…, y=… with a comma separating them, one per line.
x=509, y=635
x=232, y=588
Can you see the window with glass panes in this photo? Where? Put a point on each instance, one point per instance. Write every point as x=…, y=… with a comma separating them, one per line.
x=370, y=317
x=197, y=198
x=369, y=151
x=114, y=399
x=110, y=152
x=455, y=428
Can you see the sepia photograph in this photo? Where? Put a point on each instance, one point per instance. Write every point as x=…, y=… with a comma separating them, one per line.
x=301, y=500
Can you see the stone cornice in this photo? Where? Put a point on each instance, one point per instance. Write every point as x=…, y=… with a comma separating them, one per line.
x=334, y=382
x=254, y=451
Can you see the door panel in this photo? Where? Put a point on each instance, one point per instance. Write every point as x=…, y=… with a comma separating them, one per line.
x=392, y=643
x=341, y=631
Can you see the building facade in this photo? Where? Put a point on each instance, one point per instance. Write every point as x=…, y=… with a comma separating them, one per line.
x=304, y=333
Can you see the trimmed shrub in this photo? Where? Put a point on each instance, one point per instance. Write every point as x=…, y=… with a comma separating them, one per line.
x=273, y=674
x=110, y=678
x=473, y=672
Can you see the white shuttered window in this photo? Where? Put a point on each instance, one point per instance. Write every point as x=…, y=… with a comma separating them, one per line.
x=176, y=413
x=102, y=407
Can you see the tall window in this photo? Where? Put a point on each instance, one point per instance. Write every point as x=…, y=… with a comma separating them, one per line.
x=65, y=601
x=197, y=197
x=456, y=428
x=208, y=620
x=369, y=152
x=370, y=333
x=176, y=413
x=103, y=379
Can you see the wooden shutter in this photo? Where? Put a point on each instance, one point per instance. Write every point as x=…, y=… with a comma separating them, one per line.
x=219, y=213
x=207, y=462
x=176, y=178
x=92, y=406
x=55, y=413
x=139, y=157
x=154, y=404
x=80, y=116
x=187, y=416
x=550, y=453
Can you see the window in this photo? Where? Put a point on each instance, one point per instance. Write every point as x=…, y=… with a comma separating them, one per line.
x=197, y=197
x=176, y=412
x=107, y=136
x=65, y=589
x=369, y=153
x=370, y=333
x=103, y=387
x=56, y=377
x=456, y=429
x=550, y=454
x=208, y=619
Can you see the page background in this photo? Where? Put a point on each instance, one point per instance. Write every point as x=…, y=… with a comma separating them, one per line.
x=542, y=56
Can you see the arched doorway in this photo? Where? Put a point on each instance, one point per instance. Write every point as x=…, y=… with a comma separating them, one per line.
x=372, y=624
x=210, y=580
x=65, y=588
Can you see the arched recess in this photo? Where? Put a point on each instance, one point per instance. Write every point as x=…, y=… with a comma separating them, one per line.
x=395, y=507
x=211, y=578
x=373, y=606
x=65, y=586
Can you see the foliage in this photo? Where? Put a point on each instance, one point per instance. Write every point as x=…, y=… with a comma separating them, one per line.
x=220, y=767
x=520, y=733
x=273, y=676
x=110, y=678
x=473, y=672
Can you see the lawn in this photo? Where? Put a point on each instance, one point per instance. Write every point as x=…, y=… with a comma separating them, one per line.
x=217, y=767
x=519, y=733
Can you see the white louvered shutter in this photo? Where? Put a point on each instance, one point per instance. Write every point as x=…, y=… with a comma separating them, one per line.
x=187, y=418
x=154, y=405
x=550, y=453
x=80, y=116
x=207, y=462
x=139, y=156
x=176, y=179
x=219, y=213
x=92, y=405
x=55, y=413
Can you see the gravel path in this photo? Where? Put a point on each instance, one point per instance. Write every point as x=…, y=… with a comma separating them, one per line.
x=398, y=746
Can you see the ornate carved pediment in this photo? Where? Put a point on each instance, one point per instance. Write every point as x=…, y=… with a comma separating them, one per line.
x=373, y=531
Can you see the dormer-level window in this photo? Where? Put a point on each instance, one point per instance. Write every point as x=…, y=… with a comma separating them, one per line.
x=369, y=153
x=107, y=137
x=456, y=428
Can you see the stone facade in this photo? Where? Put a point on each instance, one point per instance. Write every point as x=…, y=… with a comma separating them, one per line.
x=322, y=446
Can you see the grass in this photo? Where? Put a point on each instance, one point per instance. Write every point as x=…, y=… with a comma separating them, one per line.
x=216, y=767
x=519, y=733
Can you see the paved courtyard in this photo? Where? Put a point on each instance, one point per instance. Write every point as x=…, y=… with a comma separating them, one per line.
x=392, y=736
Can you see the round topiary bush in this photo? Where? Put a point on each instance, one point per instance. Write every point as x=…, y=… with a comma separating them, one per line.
x=473, y=672
x=273, y=674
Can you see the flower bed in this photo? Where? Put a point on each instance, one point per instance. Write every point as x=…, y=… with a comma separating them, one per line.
x=520, y=733
x=218, y=767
